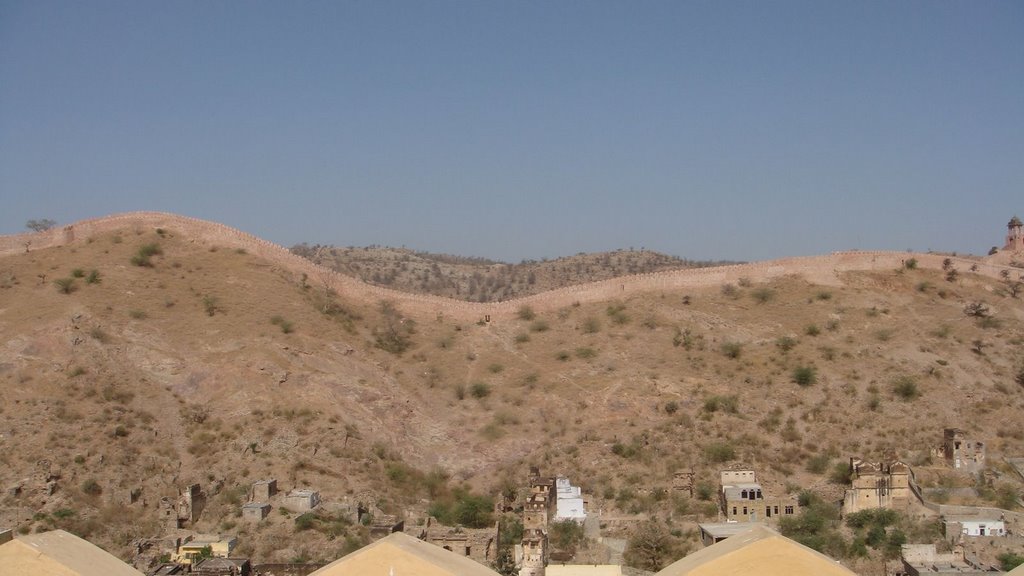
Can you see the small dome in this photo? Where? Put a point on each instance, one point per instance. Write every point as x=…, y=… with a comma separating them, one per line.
x=1014, y=223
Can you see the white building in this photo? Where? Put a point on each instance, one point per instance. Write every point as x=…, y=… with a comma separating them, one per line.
x=568, y=501
x=975, y=527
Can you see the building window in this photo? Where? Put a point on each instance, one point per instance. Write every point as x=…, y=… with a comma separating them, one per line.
x=733, y=510
x=789, y=509
x=744, y=510
x=776, y=510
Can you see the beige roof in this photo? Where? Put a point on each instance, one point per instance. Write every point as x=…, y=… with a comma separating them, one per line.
x=399, y=554
x=58, y=553
x=583, y=570
x=1018, y=571
x=760, y=551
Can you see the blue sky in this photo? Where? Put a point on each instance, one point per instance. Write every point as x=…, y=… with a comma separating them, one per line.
x=514, y=130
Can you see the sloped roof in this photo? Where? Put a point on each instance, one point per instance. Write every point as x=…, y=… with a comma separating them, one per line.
x=399, y=554
x=1018, y=571
x=58, y=553
x=759, y=551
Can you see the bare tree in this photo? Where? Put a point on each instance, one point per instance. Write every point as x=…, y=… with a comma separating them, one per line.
x=40, y=225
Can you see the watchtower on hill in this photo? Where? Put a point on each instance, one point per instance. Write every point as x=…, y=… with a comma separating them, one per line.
x=1015, y=236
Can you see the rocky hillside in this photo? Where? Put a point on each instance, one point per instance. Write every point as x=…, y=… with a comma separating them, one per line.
x=138, y=360
x=482, y=280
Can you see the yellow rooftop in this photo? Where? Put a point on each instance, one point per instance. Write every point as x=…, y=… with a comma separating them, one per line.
x=399, y=554
x=58, y=553
x=759, y=551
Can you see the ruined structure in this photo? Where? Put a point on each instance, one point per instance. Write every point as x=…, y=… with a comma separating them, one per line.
x=263, y=490
x=479, y=544
x=302, y=499
x=877, y=485
x=921, y=559
x=961, y=452
x=255, y=511
x=182, y=511
x=743, y=500
x=535, y=552
x=1014, y=236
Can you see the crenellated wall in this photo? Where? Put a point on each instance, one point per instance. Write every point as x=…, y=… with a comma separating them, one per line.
x=819, y=269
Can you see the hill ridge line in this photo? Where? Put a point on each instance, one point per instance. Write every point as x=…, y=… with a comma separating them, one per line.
x=823, y=269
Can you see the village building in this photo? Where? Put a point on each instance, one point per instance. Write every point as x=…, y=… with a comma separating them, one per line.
x=759, y=551
x=877, y=485
x=961, y=452
x=399, y=554
x=569, y=502
x=959, y=526
x=59, y=553
x=924, y=559
x=192, y=549
x=255, y=511
x=715, y=532
x=301, y=500
x=743, y=499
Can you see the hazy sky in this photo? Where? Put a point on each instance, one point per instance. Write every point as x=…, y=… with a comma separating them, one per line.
x=512, y=130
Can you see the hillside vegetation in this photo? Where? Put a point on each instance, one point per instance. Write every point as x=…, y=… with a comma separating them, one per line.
x=483, y=280
x=144, y=359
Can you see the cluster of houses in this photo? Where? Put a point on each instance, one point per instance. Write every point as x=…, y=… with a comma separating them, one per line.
x=744, y=538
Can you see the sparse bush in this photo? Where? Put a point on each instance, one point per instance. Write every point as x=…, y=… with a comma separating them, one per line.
x=591, y=325
x=840, y=473
x=562, y=355
x=394, y=335
x=905, y=387
x=211, y=305
x=65, y=285
x=91, y=487
x=522, y=338
x=729, y=404
x=495, y=368
x=1010, y=560
x=526, y=313
x=93, y=277
x=78, y=273
x=805, y=375
x=719, y=452
x=730, y=290
x=617, y=313
x=910, y=264
x=586, y=353
x=480, y=390
x=812, y=330
x=818, y=464
x=539, y=326
x=137, y=314
x=785, y=343
x=285, y=326
x=144, y=256
x=763, y=295
x=732, y=349
x=671, y=407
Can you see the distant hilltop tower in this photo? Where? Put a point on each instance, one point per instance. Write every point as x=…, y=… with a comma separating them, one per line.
x=1015, y=236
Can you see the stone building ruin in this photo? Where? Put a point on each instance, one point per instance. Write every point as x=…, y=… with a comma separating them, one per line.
x=961, y=452
x=1014, y=236
x=877, y=485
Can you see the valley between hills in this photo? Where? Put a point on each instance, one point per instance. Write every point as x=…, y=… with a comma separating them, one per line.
x=146, y=352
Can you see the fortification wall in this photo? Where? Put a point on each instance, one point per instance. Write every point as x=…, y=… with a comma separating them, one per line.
x=820, y=269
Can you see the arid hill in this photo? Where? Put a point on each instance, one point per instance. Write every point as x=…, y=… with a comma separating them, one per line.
x=482, y=280
x=140, y=355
